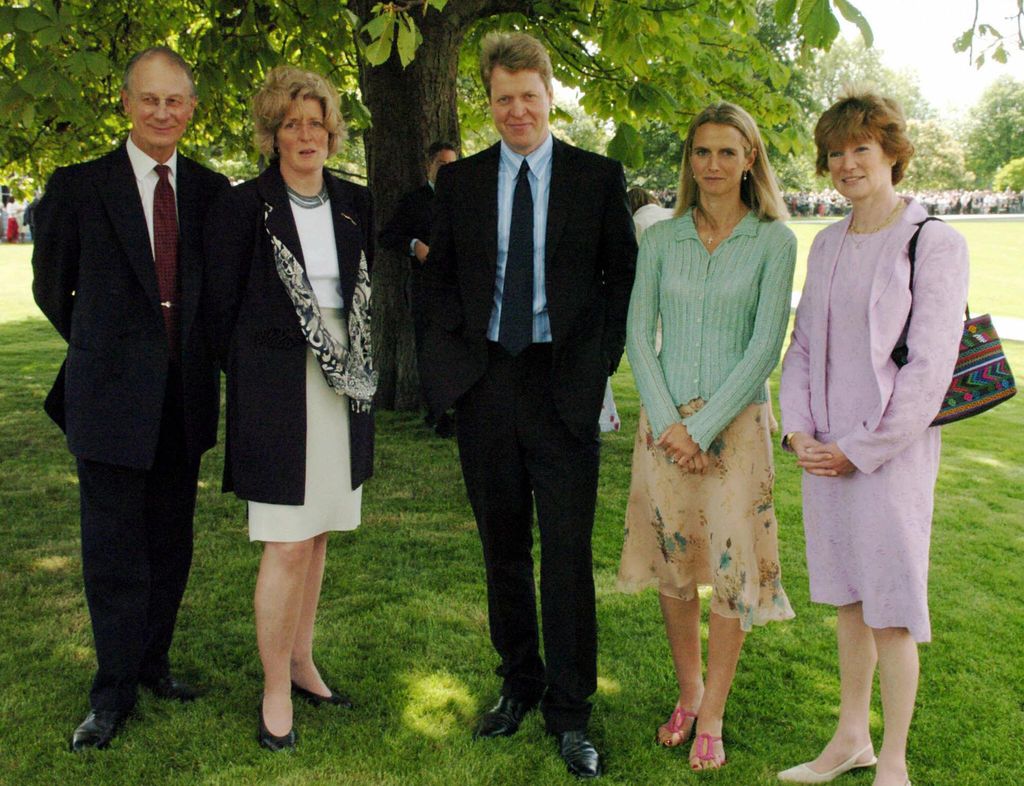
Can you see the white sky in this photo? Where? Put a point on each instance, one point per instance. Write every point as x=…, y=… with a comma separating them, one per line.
x=919, y=34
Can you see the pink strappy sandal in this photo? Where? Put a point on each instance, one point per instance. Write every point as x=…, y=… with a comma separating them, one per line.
x=704, y=746
x=674, y=726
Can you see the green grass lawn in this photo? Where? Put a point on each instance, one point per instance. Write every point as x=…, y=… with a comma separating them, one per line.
x=403, y=625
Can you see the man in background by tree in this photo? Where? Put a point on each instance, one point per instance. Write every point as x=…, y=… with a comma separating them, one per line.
x=407, y=233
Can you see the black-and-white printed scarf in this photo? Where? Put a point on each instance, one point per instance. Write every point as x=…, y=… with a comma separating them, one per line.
x=349, y=372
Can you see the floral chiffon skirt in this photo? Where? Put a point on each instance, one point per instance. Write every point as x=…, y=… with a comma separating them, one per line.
x=717, y=529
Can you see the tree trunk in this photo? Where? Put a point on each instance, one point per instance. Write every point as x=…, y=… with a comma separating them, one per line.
x=411, y=108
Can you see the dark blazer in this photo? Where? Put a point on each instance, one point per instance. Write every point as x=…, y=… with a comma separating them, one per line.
x=410, y=220
x=590, y=258
x=252, y=322
x=95, y=280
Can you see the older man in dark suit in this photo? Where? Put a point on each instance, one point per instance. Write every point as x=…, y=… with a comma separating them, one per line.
x=118, y=267
x=527, y=286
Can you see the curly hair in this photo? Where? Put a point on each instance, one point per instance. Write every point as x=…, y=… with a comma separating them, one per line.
x=283, y=85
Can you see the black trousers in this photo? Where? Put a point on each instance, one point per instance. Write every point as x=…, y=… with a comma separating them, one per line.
x=136, y=555
x=516, y=453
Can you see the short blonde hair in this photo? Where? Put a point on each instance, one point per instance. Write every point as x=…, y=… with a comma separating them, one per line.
x=514, y=52
x=283, y=85
x=860, y=115
x=760, y=191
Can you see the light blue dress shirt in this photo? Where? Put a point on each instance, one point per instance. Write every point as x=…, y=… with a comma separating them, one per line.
x=540, y=185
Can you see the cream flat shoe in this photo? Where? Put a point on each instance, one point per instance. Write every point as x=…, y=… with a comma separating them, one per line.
x=801, y=773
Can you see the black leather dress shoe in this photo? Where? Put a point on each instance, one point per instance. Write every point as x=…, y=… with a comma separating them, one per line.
x=169, y=688
x=503, y=719
x=98, y=729
x=337, y=699
x=579, y=754
x=286, y=742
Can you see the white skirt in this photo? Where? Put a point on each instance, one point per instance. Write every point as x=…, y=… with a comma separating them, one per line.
x=331, y=504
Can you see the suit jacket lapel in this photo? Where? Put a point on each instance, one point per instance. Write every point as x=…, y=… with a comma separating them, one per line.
x=818, y=348
x=560, y=195
x=120, y=195
x=279, y=222
x=482, y=206
x=190, y=253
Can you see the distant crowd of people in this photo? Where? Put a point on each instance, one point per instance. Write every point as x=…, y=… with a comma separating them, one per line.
x=16, y=220
x=830, y=202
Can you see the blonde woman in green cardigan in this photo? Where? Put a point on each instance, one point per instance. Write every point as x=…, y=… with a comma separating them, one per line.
x=718, y=276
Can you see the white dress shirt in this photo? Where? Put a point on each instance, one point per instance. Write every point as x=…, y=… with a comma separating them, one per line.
x=146, y=179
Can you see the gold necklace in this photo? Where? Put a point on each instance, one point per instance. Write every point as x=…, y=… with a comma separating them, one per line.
x=709, y=239
x=889, y=219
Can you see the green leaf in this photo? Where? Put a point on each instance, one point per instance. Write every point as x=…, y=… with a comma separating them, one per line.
x=627, y=146
x=963, y=43
x=999, y=55
x=30, y=20
x=36, y=82
x=375, y=27
x=28, y=114
x=438, y=4
x=378, y=52
x=408, y=39
x=97, y=63
x=851, y=14
x=8, y=20
x=817, y=23
x=47, y=36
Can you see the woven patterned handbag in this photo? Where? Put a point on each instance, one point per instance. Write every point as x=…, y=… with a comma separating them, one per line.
x=981, y=377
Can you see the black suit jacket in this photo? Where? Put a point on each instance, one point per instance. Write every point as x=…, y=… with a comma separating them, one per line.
x=590, y=259
x=95, y=280
x=411, y=220
x=253, y=324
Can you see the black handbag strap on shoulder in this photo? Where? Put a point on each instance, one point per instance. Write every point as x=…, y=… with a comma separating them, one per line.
x=899, y=352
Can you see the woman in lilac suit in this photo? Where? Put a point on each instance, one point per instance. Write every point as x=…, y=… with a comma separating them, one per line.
x=859, y=424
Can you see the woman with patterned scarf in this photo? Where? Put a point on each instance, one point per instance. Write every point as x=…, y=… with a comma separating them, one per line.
x=287, y=304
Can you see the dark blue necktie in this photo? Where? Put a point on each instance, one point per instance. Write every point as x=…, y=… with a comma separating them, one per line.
x=515, y=331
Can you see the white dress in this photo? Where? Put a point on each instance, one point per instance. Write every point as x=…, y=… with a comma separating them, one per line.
x=331, y=504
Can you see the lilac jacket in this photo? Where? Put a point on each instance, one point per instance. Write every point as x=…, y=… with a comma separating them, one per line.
x=910, y=396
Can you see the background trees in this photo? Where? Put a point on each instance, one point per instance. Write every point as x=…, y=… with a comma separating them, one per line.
x=996, y=133
x=405, y=73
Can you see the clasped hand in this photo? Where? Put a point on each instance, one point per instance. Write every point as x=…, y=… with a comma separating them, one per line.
x=680, y=447
x=817, y=458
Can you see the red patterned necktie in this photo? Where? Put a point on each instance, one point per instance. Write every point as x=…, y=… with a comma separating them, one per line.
x=165, y=248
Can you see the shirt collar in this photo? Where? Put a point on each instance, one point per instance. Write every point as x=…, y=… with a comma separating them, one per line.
x=539, y=159
x=685, y=228
x=143, y=163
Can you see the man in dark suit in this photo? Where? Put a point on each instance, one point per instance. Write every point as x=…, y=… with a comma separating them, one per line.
x=527, y=286
x=407, y=233
x=118, y=266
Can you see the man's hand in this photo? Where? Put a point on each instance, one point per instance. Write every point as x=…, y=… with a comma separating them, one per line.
x=421, y=250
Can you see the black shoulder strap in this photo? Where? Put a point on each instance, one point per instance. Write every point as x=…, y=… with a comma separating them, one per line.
x=899, y=352
x=912, y=249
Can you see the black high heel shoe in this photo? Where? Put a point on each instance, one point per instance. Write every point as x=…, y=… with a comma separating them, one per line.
x=316, y=700
x=272, y=742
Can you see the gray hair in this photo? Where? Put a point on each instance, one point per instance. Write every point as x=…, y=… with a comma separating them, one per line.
x=158, y=51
